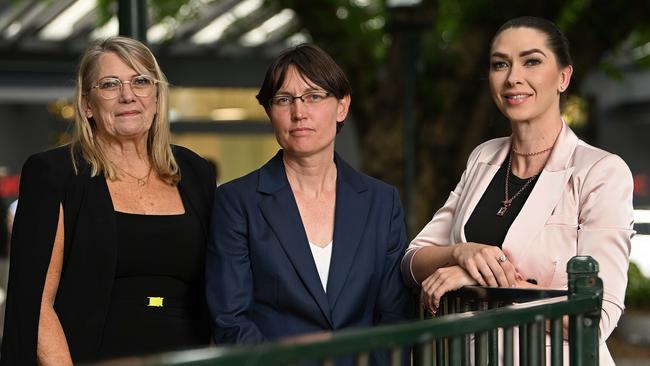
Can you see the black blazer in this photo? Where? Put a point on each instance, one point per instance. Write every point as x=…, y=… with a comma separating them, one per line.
x=90, y=254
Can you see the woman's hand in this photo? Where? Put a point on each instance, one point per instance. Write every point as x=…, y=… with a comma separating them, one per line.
x=487, y=264
x=443, y=280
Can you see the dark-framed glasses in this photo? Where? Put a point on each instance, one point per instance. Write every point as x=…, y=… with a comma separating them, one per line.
x=141, y=86
x=281, y=101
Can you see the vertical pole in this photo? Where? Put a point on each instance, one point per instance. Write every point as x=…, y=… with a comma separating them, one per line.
x=583, y=328
x=407, y=22
x=557, y=346
x=493, y=349
x=412, y=41
x=423, y=354
x=508, y=346
x=456, y=356
x=523, y=343
x=132, y=15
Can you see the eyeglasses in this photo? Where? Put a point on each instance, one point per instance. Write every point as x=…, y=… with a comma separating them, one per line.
x=141, y=86
x=310, y=98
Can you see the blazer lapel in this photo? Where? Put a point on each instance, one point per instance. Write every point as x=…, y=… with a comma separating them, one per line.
x=547, y=192
x=482, y=175
x=99, y=200
x=280, y=210
x=350, y=217
x=95, y=205
x=538, y=207
x=191, y=196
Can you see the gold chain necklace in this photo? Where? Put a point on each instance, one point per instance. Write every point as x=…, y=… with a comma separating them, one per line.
x=141, y=181
x=514, y=150
x=505, y=204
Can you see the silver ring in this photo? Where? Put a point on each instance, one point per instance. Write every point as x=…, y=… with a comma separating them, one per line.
x=502, y=259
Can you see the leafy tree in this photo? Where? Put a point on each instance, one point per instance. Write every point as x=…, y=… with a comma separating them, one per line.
x=452, y=108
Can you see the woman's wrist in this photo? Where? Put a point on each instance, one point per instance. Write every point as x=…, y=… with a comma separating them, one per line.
x=455, y=254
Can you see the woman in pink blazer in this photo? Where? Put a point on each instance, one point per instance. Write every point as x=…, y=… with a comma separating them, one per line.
x=529, y=202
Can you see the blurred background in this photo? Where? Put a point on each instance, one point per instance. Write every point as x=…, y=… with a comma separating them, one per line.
x=418, y=71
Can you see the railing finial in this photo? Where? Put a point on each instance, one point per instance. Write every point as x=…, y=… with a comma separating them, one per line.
x=583, y=328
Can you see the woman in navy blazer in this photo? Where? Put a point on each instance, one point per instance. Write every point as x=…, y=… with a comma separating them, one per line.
x=305, y=243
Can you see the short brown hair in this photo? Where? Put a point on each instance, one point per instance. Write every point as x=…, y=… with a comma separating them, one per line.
x=312, y=63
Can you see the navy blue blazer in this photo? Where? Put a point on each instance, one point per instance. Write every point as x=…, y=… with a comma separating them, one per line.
x=261, y=278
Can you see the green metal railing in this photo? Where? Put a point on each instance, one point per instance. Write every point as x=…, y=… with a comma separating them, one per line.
x=468, y=333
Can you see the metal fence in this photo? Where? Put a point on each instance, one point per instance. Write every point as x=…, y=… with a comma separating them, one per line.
x=481, y=326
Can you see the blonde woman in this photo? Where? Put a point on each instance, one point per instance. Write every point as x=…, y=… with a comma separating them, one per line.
x=110, y=232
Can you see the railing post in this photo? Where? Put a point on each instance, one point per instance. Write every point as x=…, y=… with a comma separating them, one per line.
x=583, y=329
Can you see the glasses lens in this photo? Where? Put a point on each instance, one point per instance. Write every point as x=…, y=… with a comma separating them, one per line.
x=142, y=85
x=281, y=100
x=109, y=88
x=315, y=97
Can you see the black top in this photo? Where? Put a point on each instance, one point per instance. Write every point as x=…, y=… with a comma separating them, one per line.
x=158, y=256
x=160, y=245
x=484, y=226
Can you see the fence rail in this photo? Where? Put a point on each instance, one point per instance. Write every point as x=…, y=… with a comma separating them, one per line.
x=474, y=315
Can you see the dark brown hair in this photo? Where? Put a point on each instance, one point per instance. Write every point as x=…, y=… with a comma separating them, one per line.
x=556, y=40
x=312, y=63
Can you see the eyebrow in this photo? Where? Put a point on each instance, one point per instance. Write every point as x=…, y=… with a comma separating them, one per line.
x=521, y=54
x=116, y=77
x=307, y=90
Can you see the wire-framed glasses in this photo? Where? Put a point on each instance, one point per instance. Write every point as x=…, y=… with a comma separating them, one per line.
x=141, y=86
x=281, y=101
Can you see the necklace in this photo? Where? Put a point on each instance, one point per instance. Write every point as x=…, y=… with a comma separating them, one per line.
x=505, y=204
x=141, y=181
x=530, y=153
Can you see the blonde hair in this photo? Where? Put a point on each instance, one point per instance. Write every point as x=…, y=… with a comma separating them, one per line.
x=84, y=139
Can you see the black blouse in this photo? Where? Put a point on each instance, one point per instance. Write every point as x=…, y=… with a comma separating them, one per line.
x=484, y=225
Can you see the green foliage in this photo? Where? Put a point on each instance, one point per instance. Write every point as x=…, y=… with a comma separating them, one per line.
x=180, y=10
x=105, y=10
x=637, y=294
x=571, y=12
x=453, y=110
x=611, y=70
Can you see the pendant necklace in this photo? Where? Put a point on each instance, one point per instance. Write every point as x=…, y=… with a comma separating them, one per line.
x=505, y=204
x=140, y=181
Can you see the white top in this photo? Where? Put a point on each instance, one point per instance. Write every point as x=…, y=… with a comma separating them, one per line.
x=322, y=258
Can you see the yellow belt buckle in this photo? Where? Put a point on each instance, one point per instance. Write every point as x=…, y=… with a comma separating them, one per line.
x=155, y=301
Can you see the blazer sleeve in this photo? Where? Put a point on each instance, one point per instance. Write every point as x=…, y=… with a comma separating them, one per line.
x=605, y=229
x=229, y=278
x=438, y=230
x=34, y=229
x=395, y=301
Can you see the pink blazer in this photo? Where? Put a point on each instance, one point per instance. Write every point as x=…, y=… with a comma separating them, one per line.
x=580, y=205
